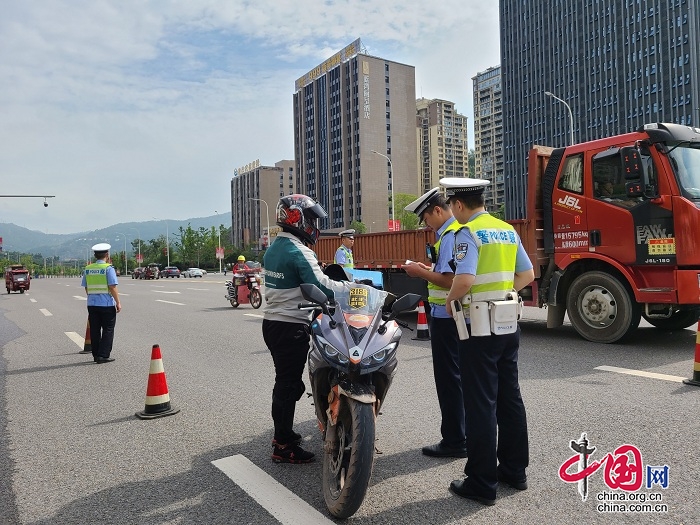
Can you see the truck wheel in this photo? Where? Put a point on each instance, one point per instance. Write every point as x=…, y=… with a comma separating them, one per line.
x=601, y=309
x=678, y=320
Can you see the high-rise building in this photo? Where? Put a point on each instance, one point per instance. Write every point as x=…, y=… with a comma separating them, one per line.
x=255, y=191
x=346, y=109
x=441, y=134
x=488, y=135
x=616, y=63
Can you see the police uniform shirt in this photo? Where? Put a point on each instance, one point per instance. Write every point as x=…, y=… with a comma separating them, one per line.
x=102, y=299
x=443, y=264
x=467, y=253
x=341, y=255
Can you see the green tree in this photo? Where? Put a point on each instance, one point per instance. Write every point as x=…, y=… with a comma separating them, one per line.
x=358, y=226
x=471, y=163
x=409, y=220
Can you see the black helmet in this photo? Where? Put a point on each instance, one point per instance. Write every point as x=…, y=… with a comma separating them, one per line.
x=297, y=215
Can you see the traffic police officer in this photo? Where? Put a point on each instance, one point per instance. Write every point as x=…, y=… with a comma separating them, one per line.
x=432, y=209
x=343, y=255
x=490, y=261
x=100, y=283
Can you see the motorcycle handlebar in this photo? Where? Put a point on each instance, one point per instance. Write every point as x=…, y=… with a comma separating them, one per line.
x=307, y=306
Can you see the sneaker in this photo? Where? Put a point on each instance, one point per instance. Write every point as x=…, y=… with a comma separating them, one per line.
x=296, y=439
x=291, y=453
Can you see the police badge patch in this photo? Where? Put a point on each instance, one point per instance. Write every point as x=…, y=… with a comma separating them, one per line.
x=461, y=251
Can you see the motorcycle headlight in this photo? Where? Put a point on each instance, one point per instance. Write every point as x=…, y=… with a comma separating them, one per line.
x=380, y=356
x=331, y=352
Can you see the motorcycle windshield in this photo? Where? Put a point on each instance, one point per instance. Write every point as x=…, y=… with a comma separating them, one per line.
x=360, y=303
x=685, y=159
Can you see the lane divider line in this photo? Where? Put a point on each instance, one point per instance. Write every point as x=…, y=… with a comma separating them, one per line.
x=81, y=297
x=73, y=336
x=255, y=315
x=275, y=498
x=32, y=300
x=163, y=291
x=169, y=302
x=640, y=373
x=45, y=312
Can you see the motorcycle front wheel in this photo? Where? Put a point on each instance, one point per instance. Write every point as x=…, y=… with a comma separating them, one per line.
x=255, y=298
x=347, y=469
x=234, y=303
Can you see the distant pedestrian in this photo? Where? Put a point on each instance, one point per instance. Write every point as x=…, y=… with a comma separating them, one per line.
x=100, y=283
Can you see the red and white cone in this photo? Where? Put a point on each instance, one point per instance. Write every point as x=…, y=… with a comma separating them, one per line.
x=422, y=327
x=695, y=380
x=157, y=396
x=87, y=346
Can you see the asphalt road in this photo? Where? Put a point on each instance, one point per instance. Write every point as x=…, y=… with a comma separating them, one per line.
x=72, y=452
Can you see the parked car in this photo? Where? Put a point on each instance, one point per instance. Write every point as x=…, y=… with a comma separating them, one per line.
x=136, y=272
x=193, y=272
x=170, y=271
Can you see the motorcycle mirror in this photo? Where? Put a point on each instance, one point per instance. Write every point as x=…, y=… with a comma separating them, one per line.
x=407, y=302
x=313, y=293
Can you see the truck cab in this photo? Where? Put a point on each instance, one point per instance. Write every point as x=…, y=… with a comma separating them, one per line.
x=619, y=231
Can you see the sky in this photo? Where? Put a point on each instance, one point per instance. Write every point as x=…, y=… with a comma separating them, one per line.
x=130, y=110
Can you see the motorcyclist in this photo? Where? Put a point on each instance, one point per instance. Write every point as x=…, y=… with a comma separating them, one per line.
x=241, y=266
x=289, y=262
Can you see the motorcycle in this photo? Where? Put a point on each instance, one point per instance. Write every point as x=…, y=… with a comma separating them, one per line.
x=352, y=362
x=244, y=288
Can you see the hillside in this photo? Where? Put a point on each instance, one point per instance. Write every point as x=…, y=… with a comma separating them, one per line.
x=75, y=245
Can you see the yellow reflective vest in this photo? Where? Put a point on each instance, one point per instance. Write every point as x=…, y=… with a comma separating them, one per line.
x=96, y=278
x=437, y=294
x=497, y=243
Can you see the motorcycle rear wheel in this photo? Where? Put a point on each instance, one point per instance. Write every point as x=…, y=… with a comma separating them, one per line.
x=346, y=472
x=255, y=298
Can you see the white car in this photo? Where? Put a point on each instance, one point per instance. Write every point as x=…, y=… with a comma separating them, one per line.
x=193, y=272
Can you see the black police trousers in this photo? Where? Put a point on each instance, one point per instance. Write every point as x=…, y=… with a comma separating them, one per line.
x=496, y=420
x=102, y=320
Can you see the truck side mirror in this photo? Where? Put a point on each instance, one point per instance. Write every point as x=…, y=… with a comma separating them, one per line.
x=631, y=163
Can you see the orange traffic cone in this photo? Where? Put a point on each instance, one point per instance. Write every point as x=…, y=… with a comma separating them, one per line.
x=423, y=332
x=87, y=346
x=695, y=380
x=157, y=397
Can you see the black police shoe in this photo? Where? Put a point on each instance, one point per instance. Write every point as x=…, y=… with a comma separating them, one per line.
x=441, y=450
x=461, y=488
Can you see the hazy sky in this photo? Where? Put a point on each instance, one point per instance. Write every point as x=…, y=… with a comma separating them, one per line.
x=128, y=110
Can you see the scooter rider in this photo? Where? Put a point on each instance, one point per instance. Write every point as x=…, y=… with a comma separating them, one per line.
x=432, y=209
x=288, y=262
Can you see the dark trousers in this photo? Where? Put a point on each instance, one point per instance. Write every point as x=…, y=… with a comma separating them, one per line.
x=444, y=343
x=289, y=346
x=492, y=400
x=102, y=320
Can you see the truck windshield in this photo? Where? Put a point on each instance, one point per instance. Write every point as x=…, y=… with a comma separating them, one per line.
x=685, y=159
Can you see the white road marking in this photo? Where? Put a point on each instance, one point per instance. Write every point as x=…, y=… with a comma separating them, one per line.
x=81, y=297
x=640, y=373
x=275, y=498
x=80, y=341
x=169, y=302
x=199, y=289
x=45, y=312
x=255, y=315
x=33, y=300
x=163, y=291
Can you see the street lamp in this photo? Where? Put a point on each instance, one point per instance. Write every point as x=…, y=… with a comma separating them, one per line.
x=167, y=238
x=571, y=116
x=217, y=255
x=139, y=234
x=391, y=176
x=267, y=218
x=126, y=264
